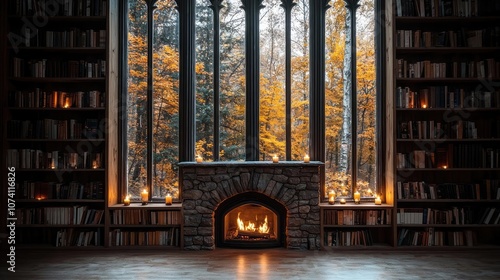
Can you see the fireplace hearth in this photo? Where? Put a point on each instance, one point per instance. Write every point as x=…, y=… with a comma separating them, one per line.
x=250, y=204
x=250, y=220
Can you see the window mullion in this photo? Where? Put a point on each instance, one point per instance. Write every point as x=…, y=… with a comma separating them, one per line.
x=317, y=79
x=151, y=4
x=288, y=5
x=252, y=51
x=216, y=6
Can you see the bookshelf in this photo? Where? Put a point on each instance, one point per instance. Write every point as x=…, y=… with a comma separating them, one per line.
x=356, y=226
x=59, y=96
x=151, y=225
x=446, y=77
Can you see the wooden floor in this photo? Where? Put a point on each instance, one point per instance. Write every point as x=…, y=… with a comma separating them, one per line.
x=254, y=264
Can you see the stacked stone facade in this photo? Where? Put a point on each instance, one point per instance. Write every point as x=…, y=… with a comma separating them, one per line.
x=295, y=185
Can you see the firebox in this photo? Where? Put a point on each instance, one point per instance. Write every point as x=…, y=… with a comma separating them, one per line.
x=250, y=220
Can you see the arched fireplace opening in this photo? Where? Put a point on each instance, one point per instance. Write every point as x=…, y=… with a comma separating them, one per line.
x=250, y=220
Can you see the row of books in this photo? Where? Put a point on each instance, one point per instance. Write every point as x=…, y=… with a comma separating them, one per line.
x=58, y=8
x=452, y=130
x=54, y=190
x=74, y=215
x=433, y=237
x=446, y=8
x=487, y=37
x=71, y=38
x=488, y=190
x=45, y=68
x=169, y=237
x=54, y=129
x=357, y=217
x=145, y=217
x=56, y=99
x=453, y=156
x=338, y=238
x=77, y=237
x=486, y=68
x=452, y=216
x=37, y=159
x=446, y=97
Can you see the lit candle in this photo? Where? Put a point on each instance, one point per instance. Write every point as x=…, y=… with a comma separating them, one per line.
x=199, y=159
x=424, y=106
x=342, y=201
x=307, y=158
x=331, y=197
x=168, y=199
x=357, y=197
x=275, y=158
x=144, y=197
x=378, y=201
x=66, y=102
x=126, y=200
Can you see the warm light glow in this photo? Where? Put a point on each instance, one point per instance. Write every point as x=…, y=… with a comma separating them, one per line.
x=331, y=197
x=424, y=106
x=307, y=158
x=199, y=159
x=126, y=200
x=357, y=197
x=168, y=199
x=144, y=197
x=66, y=103
x=251, y=226
x=275, y=158
x=342, y=201
x=378, y=201
x=445, y=166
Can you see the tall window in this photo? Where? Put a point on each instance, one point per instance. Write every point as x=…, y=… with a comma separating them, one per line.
x=165, y=75
x=342, y=111
x=263, y=86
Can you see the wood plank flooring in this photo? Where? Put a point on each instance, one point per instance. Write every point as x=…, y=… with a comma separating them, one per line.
x=254, y=264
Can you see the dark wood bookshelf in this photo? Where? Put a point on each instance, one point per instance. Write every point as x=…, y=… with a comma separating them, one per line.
x=93, y=37
x=441, y=41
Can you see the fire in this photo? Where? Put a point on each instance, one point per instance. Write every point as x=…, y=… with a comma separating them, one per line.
x=251, y=227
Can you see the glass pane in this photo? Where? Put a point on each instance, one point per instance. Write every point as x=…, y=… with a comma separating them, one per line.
x=272, y=80
x=165, y=98
x=338, y=100
x=300, y=79
x=366, y=108
x=204, y=80
x=136, y=98
x=232, y=81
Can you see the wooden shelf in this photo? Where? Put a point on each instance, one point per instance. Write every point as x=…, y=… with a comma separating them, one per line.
x=142, y=226
x=150, y=206
x=59, y=201
x=57, y=109
x=59, y=226
x=59, y=80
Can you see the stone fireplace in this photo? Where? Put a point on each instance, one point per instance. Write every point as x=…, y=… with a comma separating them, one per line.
x=250, y=204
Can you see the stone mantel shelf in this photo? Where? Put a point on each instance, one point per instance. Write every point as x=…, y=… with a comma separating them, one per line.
x=249, y=163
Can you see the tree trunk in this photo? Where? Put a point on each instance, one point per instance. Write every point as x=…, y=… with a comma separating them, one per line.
x=346, y=125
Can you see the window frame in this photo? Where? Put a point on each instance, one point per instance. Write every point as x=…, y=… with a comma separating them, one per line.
x=187, y=86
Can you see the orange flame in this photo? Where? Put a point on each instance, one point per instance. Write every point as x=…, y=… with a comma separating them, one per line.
x=250, y=226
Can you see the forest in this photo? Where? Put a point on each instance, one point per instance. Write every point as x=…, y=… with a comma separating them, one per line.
x=232, y=90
